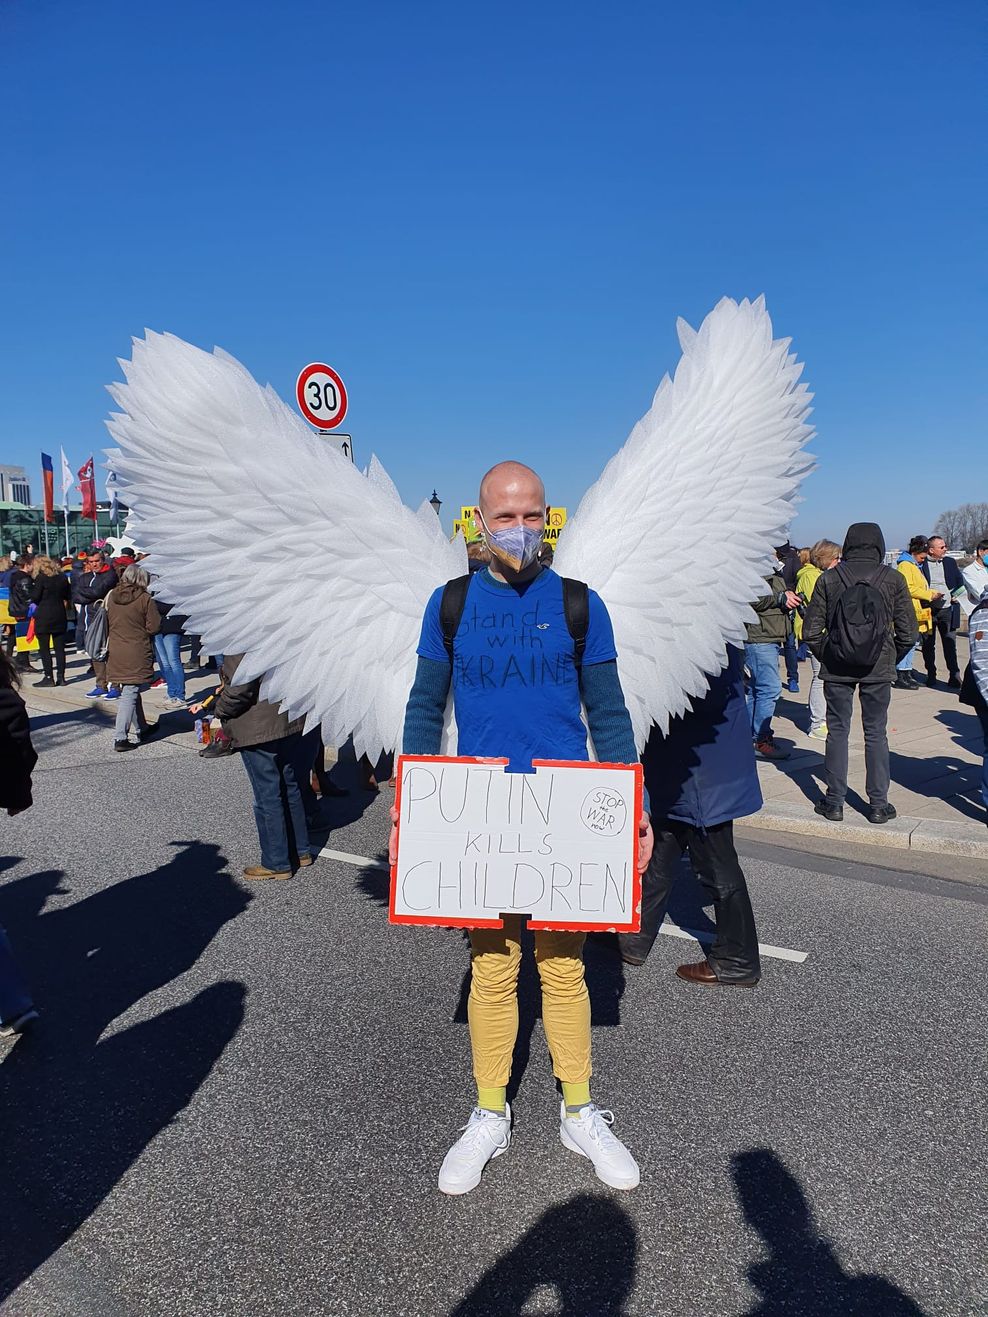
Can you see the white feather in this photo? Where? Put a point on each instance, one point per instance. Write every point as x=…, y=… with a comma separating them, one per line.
x=677, y=534
x=273, y=543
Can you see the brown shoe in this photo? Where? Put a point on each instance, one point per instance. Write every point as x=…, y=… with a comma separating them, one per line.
x=304, y=861
x=702, y=973
x=259, y=871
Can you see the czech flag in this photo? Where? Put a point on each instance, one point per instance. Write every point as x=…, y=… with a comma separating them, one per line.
x=48, y=480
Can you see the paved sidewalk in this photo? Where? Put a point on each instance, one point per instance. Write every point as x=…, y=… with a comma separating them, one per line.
x=935, y=746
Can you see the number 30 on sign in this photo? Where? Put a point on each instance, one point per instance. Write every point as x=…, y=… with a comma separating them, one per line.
x=321, y=396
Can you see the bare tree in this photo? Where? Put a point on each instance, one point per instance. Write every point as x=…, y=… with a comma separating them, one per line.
x=963, y=527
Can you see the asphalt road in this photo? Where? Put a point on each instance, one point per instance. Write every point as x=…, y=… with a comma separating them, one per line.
x=240, y=1095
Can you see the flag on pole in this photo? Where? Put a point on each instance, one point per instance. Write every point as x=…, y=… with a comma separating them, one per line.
x=67, y=481
x=48, y=480
x=87, y=487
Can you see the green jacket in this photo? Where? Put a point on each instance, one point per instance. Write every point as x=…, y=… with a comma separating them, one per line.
x=772, y=626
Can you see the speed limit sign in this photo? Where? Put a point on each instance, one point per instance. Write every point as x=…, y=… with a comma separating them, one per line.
x=321, y=396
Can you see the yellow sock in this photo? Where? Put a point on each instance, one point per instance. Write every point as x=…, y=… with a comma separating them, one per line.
x=575, y=1096
x=492, y=1099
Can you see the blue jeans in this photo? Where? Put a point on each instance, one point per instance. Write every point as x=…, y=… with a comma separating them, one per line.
x=906, y=664
x=166, y=651
x=764, y=688
x=14, y=996
x=279, y=778
x=792, y=662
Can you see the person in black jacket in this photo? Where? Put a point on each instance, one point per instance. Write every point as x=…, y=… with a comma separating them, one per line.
x=51, y=595
x=17, y=760
x=700, y=777
x=21, y=581
x=93, y=587
x=862, y=559
x=789, y=565
x=944, y=575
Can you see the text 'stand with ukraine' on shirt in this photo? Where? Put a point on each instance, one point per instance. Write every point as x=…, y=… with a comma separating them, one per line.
x=515, y=683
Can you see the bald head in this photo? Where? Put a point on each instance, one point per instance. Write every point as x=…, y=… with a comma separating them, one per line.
x=511, y=483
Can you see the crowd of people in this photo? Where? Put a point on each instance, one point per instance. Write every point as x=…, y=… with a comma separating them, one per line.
x=896, y=613
x=854, y=618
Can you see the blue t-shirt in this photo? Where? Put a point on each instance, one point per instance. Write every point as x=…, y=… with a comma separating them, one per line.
x=515, y=688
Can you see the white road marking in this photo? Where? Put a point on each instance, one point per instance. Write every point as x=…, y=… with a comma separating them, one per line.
x=695, y=935
x=362, y=861
x=670, y=930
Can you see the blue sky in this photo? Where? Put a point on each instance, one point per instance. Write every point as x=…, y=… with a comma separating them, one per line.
x=488, y=218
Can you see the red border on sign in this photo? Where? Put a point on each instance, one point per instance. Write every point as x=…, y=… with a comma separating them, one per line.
x=432, y=922
x=313, y=368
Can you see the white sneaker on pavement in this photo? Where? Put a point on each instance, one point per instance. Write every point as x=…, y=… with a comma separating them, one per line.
x=485, y=1135
x=589, y=1134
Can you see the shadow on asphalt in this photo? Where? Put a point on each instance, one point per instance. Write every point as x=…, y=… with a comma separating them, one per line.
x=585, y=1249
x=802, y=1274
x=81, y=1105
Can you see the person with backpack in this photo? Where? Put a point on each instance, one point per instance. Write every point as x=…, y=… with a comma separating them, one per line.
x=859, y=624
x=522, y=649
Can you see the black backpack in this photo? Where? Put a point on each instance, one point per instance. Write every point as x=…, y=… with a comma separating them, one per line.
x=857, y=632
x=576, y=606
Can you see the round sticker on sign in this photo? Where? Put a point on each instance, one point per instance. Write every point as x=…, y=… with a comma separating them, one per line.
x=321, y=396
x=604, y=812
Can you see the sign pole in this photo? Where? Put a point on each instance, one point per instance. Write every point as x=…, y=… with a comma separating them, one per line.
x=65, y=509
x=47, y=550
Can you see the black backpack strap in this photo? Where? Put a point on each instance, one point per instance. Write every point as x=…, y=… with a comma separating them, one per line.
x=576, y=606
x=451, y=610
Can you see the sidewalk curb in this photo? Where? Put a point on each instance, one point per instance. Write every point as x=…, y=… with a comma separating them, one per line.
x=907, y=832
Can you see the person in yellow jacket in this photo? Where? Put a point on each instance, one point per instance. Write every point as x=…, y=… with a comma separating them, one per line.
x=824, y=554
x=922, y=597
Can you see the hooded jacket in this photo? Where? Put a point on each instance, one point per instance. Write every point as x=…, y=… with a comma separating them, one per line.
x=862, y=559
x=133, y=619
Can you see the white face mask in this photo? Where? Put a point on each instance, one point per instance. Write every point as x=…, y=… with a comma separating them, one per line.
x=517, y=547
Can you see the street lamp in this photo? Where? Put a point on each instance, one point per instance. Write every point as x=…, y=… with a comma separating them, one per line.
x=435, y=502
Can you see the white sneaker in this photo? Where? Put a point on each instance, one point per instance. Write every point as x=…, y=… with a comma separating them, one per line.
x=589, y=1134
x=485, y=1135
x=819, y=733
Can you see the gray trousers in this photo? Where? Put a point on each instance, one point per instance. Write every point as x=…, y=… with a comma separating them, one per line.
x=129, y=710
x=874, y=698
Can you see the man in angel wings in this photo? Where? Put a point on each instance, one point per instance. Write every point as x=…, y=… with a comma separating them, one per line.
x=519, y=667
x=673, y=539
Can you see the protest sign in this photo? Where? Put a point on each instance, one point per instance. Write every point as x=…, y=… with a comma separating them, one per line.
x=475, y=843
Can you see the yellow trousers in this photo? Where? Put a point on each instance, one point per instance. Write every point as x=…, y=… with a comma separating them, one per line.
x=492, y=1008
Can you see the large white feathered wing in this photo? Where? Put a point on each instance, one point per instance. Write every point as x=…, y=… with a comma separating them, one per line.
x=678, y=533
x=273, y=543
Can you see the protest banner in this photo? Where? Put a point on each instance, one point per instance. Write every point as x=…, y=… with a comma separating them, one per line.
x=476, y=842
